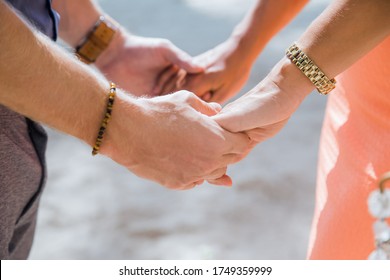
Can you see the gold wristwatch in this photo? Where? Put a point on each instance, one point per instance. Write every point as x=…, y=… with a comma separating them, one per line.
x=96, y=41
x=323, y=84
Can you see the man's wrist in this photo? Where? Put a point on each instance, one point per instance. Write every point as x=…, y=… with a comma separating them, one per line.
x=77, y=19
x=113, y=50
x=125, y=108
x=97, y=40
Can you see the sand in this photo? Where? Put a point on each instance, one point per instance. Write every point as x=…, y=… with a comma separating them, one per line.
x=95, y=209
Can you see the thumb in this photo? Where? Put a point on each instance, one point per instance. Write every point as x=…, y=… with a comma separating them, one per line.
x=229, y=118
x=182, y=59
x=225, y=180
x=200, y=84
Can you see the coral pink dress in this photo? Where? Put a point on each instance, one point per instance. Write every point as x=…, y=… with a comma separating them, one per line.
x=354, y=153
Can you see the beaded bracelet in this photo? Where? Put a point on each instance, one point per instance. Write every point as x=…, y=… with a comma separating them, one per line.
x=106, y=119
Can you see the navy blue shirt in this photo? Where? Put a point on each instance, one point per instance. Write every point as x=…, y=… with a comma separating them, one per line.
x=40, y=14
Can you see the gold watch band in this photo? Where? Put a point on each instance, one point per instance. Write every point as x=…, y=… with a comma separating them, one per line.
x=96, y=41
x=323, y=84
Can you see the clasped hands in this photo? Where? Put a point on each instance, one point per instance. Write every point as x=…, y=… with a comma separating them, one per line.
x=180, y=138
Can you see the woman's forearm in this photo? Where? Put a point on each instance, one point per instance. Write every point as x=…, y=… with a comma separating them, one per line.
x=346, y=31
x=262, y=22
x=341, y=35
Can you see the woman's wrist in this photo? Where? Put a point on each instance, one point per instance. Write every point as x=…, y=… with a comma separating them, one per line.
x=248, y=46
x=289, y=78
x=239, y=52
x=276, y=97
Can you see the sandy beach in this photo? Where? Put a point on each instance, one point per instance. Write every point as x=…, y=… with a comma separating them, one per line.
x=94, y=209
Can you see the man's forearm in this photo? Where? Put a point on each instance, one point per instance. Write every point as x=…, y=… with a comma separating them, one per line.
x=262, y=22
x=41, y=81
x=77, y=19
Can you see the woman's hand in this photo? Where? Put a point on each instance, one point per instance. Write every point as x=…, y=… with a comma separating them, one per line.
x=264, y=110
x=226, y=71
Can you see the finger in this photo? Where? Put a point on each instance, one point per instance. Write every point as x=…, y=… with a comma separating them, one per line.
x=232, y=158
x=163, y=78
x=207, y=96
x=175, y=83
x=238, y=143
x=263, y=133
x=225, y=180
x=170, y=85
x=188, y=187
x=181, y=79
x=218, y=96
x=182, y=59
x=208, y=109
x=200, y=84
x=230, y=118
x=200, y=182
x=218, y=173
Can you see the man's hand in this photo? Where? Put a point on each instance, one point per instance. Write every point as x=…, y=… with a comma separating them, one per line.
x=134, y=63
x=172, y=140
x=226, y=71
x=137, y=63
x=169, y=139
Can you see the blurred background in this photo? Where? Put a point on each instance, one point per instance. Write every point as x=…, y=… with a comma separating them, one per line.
x=94, y=209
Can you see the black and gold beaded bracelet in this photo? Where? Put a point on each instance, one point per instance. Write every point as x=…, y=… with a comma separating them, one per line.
x=106, y=119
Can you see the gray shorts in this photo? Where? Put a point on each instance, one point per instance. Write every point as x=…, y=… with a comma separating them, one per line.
x=22, y=176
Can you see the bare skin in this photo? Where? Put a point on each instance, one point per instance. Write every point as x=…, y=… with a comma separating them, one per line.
x=160, y=139
x=135, y=63
x=341, y=35
x=228, y=65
